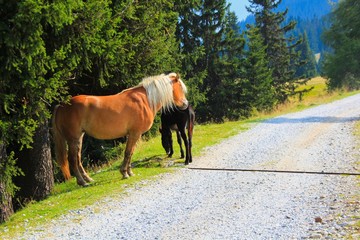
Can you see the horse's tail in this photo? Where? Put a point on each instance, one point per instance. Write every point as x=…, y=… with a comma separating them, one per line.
x=60, y=147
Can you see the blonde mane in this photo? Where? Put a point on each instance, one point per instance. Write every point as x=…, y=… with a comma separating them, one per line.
x=159, y=90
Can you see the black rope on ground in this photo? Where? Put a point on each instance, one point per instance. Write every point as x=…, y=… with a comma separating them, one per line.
x=274, y=171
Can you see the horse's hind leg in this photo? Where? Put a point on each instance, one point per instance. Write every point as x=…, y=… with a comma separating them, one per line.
x=73, y=156
x=83, y=173
x=81, y=168
x=125, y=168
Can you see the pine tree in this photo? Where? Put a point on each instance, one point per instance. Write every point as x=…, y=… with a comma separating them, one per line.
x=258, y=72
x=191, y=37
x=211, y=17
x=307, y=68
x=205, y=41
x=191, y=49
x=342, y=66
x=280, y=53
x=229, y=95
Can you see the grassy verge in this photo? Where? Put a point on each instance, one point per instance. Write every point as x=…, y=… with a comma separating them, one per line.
x=318, y=95
x=149, y=160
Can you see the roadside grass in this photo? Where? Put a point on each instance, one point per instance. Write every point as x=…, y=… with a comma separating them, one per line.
x=149, y=161
x=318, y=95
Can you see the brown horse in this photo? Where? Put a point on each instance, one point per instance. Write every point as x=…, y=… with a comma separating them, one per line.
x=129, y=113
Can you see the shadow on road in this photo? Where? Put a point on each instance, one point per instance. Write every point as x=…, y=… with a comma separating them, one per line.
x=313, y=119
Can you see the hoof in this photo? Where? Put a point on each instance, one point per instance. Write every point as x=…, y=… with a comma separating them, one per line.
x=89, y=179
x=82, y=183
x=130, y=172
x=125, y=175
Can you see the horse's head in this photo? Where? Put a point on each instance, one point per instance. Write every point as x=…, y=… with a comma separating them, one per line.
x=166, y=140
x=179, y=91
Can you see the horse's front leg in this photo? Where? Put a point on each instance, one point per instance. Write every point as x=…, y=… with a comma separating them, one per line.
x=125, y=168
x=186, y=143
x=189, y=150
x=180, y=144
x=171, y=151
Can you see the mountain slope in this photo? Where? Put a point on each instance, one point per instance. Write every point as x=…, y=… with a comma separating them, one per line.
x=311, y=17
x=307, y=9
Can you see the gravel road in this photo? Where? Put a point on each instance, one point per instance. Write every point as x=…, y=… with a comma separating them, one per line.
x=203, y=204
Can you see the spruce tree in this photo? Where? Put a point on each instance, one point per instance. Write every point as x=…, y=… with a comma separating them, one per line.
x=191, y=49
x=307, y=68
x=257, y=71
x=209, y=44
x=342, y=66
x=280, y=53
x=229, y=95
x=211, y=17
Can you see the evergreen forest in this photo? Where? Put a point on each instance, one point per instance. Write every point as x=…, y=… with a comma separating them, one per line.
x=51, y=50
x=312, y=19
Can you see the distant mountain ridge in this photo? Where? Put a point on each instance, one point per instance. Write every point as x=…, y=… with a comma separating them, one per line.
x=307, y=9
x=311, y=17
x=303, y=9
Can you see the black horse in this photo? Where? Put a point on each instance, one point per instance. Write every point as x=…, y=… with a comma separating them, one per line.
x=179, y=121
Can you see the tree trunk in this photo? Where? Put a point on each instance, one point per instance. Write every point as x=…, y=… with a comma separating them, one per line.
x=36, y=163
x=6, y=207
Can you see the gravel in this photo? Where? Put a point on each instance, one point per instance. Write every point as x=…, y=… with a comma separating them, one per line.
x=203, y=204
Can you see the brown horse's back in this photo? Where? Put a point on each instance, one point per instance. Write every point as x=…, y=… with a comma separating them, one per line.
x=106, y=117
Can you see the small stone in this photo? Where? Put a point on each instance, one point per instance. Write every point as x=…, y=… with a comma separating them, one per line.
x=318, y=219
x=316, y=236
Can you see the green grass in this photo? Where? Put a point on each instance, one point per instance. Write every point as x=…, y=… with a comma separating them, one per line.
x=149, y=160
x=318, y=95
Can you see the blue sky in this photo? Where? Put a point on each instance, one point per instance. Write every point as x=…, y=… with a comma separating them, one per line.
x=238, y=6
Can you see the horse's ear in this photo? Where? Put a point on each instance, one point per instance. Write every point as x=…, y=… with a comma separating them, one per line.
x=174, y=77
x=177, y=77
